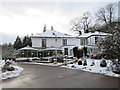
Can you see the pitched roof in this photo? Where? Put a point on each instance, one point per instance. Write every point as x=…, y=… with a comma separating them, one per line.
x=52, y=33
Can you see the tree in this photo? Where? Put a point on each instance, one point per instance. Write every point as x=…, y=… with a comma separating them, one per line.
x=112, y=30
x=75, y=51
x=8, y=51
x=85, y=21
x=18, y=43
x=27, y=41
x=106, y=16
x=82, y=23
x=110, y=46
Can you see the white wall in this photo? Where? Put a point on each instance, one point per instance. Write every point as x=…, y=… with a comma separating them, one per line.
x=91, y=40
x=36, y=42
x=73, y=41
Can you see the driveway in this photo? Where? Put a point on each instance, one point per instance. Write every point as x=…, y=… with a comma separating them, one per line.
x=40, y=76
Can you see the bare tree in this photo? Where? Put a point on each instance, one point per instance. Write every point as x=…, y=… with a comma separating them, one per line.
x=85, y=21
x=7, y=51
x=111, y=11
x=82, y=23
x=106, y=14
x=76, y=26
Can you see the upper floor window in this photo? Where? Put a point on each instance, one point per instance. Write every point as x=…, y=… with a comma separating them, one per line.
x=82, y=42
x=96, y=40
x=43, y=42
x=64, y=42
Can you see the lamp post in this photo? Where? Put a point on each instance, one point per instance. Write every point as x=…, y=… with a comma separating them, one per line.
x=32, y=54
x=23, y=54
x=40, y=56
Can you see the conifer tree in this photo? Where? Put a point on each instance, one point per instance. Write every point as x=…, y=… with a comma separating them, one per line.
x=18, y=43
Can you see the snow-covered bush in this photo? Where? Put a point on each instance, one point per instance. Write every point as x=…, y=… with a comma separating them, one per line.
x=72, y=66
x=103, y=63
x=116, y=69
x=85, y=63
x=7, y=67
x=116, y=66
x=79, y=62
x=93, y=63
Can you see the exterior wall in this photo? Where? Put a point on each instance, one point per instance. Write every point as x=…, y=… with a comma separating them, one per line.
x=37, y=42
x=73, y=41
x=52, y=42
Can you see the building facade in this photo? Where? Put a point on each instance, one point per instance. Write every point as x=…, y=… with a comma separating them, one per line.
x=55, y=39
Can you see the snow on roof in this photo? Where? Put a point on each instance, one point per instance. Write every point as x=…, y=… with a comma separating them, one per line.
x=27, y=48
x=86, y=35
x=52, y=48
x=52, y=33
x=88, y=46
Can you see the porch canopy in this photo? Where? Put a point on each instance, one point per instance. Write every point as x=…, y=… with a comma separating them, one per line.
x=27, y=52
x=51, y=51
x=33, y=52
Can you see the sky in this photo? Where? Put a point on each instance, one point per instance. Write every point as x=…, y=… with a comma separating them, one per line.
x=22, y=17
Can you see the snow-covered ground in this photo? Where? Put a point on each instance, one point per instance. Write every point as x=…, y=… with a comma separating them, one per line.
x=10, y=74
x=94, y=69
x=49, y=64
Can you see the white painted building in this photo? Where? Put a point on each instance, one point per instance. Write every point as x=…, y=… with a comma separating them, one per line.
x=55, y=39
x=90, y=41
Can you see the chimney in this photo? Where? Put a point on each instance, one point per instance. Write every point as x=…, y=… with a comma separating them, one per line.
x=51, y=27
x=44, y=30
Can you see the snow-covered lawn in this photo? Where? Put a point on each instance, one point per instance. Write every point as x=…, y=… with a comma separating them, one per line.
x=9, y=74
x=94, y=69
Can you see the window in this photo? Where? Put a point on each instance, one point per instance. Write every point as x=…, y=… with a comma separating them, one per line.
x=82, y=42
x=43, y=42
x=64, y=42
x=65, y=51
x=96, y=40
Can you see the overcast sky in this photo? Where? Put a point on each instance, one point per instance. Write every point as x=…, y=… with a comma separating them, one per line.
x=22, y=17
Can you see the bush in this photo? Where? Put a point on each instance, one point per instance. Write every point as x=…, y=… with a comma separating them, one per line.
x=72, y=66
x=7, y=68
x=92, y=63
x=79, y=62
x=116, y=69
x=8, y=63
x=71, y=62
x=85, y=63
x=10, y=69
x=103, y=63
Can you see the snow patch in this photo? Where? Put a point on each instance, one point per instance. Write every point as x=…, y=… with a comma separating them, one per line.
x=10, y=74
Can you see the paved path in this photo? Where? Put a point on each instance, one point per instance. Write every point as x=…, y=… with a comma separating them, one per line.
x=40, y=76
